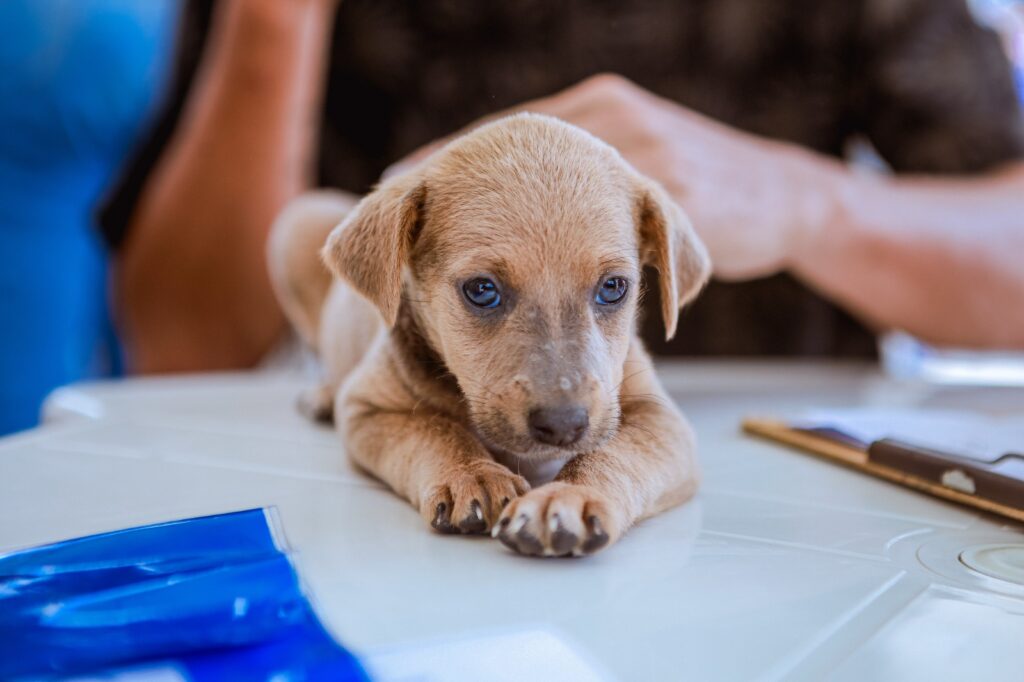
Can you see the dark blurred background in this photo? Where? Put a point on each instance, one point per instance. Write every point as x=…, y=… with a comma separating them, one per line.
x=102, y=102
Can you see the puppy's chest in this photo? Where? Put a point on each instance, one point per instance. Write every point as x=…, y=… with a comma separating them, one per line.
x=536, y=472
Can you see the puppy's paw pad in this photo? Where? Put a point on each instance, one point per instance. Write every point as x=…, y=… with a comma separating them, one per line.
x=557, y=520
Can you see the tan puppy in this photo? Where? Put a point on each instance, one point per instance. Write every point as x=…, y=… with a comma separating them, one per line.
x=506, y=274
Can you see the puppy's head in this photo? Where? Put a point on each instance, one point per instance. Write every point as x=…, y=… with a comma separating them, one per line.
x=518, y=250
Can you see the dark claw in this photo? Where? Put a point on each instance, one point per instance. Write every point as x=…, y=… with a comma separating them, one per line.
x=523, y=542
x=474, y=523
x=528, y=544
x=442, y=521
x=324, y=414
x=503, y=534
x=321, y=413
x=563, y=541
x=507, y=539
x=597, y=539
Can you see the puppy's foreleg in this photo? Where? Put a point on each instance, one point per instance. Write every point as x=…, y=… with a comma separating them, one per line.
x=426, y=457
x=300, y=280
x=647, y=467
x=348, y=327
x=435, y=464
x=303, y=286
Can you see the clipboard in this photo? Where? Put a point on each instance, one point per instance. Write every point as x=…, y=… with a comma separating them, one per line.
x=995, y=485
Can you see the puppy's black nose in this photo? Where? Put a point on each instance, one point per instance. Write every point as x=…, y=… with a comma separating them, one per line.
x=558, y=425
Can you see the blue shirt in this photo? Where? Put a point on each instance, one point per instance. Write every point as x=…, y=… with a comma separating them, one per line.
x=78, y=82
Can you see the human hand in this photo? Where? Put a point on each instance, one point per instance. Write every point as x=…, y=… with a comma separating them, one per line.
x=753, y=201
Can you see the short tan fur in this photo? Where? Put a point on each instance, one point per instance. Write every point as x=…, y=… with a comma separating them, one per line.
x=445, y=400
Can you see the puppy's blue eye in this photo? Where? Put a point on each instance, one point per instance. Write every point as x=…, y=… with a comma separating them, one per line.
x=612, y=290
x=482, y=293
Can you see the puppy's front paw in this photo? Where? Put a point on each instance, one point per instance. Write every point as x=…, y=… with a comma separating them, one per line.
x=471, y=498
x=558, y=519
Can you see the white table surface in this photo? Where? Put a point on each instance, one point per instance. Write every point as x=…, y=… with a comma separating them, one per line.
x=783, y=566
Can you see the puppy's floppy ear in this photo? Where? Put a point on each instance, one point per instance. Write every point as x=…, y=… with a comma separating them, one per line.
x=669, y=244
x=372, y=245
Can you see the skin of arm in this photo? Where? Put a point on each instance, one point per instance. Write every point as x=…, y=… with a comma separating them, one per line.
x=940, y=258
x=191, y=281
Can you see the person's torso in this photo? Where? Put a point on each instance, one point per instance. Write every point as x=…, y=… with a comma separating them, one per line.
x=78, y=79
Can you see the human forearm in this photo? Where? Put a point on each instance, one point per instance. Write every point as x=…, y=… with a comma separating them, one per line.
x=939, y=258
x=192, y=281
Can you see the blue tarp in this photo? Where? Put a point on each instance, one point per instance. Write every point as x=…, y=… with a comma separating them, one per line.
x=214, y=598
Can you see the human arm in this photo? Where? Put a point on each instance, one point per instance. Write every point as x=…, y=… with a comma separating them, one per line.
x=940, y=258
x=191, y=280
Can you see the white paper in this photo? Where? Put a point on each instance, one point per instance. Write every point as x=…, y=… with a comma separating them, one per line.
x=965, y=434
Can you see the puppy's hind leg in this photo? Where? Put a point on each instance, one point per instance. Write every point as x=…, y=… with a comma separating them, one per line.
x=348, y=326
x=299, y=277
x=302, y=282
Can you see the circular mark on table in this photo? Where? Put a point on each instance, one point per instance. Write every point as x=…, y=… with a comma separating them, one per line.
x=1002, y=561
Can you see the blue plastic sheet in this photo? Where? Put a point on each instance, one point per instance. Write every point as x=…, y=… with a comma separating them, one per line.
x=214, y=598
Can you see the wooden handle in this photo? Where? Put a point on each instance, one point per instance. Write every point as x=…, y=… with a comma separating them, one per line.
x=859, y=460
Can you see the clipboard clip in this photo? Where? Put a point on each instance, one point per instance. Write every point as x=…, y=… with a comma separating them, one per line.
x=1001, y=481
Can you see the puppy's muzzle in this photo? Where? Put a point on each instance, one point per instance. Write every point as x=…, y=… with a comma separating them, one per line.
x=560, y=426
